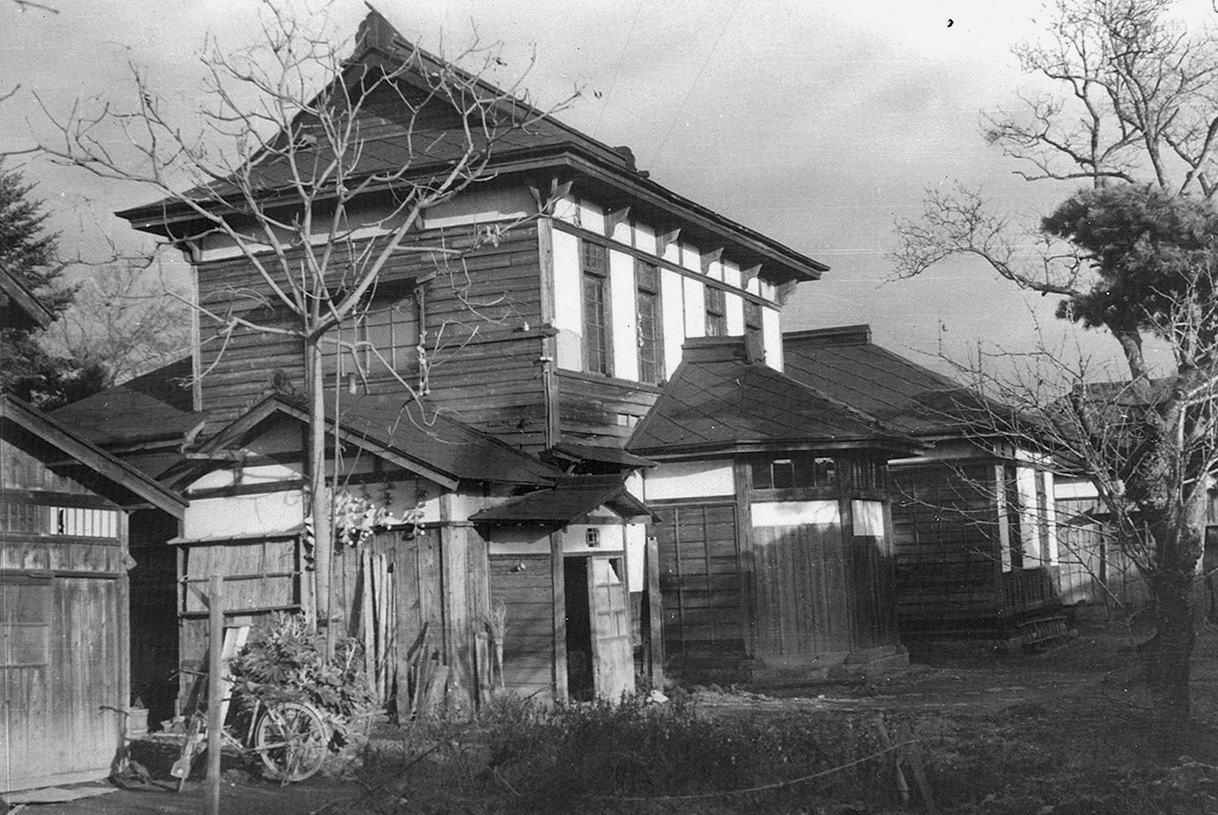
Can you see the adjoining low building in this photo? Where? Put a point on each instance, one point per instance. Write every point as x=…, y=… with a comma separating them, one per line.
x=65, y=510
x=976, y=543
x=775, y=541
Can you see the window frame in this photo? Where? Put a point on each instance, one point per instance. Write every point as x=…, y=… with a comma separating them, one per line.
x=647, y=288
x=714, y=300
x=594, y=279
x=403, y=358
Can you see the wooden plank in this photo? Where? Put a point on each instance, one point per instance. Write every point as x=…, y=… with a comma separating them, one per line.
x=558, y=643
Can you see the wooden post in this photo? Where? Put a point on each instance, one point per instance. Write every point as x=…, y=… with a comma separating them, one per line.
x=655, y=612
x=557, y=581
x=215, y=721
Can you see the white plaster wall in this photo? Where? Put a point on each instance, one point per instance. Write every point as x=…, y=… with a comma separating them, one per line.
x=715, y=270
x=623, y=232
x=480, y=206
x=692, y=479
x=622, y=307
x=691, y=258
x=591, y=217
x=1029, y=521
x=771, y=329
x=244, y=515
x=612, y=539
x=1050, y=517
x=735, y=314
x=636, y=556
x=868, y=518
x=731, y=273
x=795, y=513
x=568, y=318
x=672, y=300
x=644, y=239
x=566, y=209
x=672, y=252
x=695, y=308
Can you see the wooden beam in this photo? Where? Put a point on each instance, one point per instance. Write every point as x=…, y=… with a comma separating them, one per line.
x=710, y=257
x=614, y=217
x=666, y=239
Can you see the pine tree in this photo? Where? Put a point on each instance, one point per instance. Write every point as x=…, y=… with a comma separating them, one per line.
x=28, y=252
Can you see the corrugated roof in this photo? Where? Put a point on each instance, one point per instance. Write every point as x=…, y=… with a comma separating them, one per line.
x=720, y=399
x=843, y=363
x=571, y=498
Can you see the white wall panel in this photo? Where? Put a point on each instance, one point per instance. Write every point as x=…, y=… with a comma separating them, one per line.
x=625, y=330
x=689, y=479
x=771, y=331
x=735, y=314
x=695, y=308
x=567, y=301
x=672, y=299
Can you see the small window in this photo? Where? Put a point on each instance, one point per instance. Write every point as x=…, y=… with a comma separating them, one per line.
x=384, y=334
x=25, y=622
x=716, y=312
x=797, y=472
x=595, y=267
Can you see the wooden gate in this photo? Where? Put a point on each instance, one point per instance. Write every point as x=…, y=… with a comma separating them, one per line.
x=612, y=653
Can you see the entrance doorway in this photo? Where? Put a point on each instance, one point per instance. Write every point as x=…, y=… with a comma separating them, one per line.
x=600, y=658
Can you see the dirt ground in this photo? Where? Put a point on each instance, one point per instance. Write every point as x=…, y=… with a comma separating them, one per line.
x=1059, y=732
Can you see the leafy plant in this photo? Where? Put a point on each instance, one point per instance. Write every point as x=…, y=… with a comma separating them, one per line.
x=284, y=662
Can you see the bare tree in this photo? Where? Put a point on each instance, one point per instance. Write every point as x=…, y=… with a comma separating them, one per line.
x=1133, y=255
x=125, y=317
x=282, y=171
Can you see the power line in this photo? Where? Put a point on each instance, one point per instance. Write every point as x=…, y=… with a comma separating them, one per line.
x=638, y=9
x=694, y=84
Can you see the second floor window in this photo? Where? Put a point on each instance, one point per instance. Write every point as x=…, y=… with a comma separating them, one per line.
x=386, y=334
x=716, y=312
x=650, y=322
x=594, y=268
x=753, y=330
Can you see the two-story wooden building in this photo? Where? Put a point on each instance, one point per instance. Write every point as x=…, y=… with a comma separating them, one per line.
x=555, y=339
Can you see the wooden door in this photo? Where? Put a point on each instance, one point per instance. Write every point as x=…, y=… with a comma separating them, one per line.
x=701, y=585
x=609, y=604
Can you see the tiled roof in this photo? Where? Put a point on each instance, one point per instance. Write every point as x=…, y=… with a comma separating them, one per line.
x=720, y=399
x=571, y=498
x=843, y=363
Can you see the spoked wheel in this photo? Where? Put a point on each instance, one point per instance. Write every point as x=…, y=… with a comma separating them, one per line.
x=292, y=741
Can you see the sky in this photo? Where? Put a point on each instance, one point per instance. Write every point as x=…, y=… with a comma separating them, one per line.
x=819, y=124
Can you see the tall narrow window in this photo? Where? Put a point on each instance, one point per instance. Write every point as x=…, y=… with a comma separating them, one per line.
x=753, y=331
x=650, y=322
x=716, y=312
x=595, y=268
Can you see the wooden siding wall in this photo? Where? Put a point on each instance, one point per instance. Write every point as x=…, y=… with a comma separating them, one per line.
x=947, y=545
x=599, y=410
x=66, y=689
x=484, y=366
x=702, y=585
x=414, y=603
x=528, y=594
x=803, y=591
x=1093, y=568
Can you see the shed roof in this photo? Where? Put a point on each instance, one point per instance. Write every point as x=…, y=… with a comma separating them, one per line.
x=135, y=487
x=845, y=364
x=569, y=499
x=425, y=145
x=19, y=307
x=721, y=399
x=397, y=429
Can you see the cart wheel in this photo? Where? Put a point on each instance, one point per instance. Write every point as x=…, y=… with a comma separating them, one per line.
x=292, y=741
